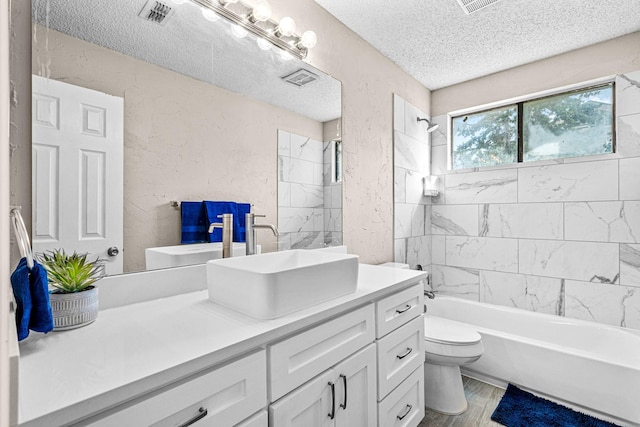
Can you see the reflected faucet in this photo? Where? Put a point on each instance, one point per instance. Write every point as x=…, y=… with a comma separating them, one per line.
x=227, y=233
x=250, y=227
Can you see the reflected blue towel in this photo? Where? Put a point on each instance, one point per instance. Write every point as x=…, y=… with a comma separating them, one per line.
x=194, y=222
x=214, y=209
x=239, y=210
x=239, y=222
x=31, y=291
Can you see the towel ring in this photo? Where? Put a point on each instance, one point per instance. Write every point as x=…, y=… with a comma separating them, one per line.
x=22, y=236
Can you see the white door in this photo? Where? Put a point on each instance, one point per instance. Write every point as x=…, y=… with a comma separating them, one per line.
x=308, y=406
x=77, y=171
x=356, y=401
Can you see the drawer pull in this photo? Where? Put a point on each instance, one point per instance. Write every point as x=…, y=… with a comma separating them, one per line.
x=202, y=412
x=403, y=309
x=405, y=354
x=343, y=405
x=406, y=412
x=332, y=414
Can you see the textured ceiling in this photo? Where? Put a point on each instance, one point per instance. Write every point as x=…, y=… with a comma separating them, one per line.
x=189, y=44
x=439, y=45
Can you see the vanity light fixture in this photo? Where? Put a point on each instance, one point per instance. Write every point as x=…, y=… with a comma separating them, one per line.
x=257, y=20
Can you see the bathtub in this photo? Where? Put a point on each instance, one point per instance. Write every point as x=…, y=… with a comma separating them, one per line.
x=590, y=367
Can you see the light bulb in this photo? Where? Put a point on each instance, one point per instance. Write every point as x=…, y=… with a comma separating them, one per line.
x=308, y=39
x=210, y=15
x=263, y=44
x=178, y=1
x=286, y=27
x=285, y=56
x=261, y=11
x=238, y=31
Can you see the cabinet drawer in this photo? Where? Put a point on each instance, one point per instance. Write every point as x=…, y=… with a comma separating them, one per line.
x=301, y=357
x=261, y=419
x=404, y=407
x=227, y=394
x=399, y=354
x=397, y=309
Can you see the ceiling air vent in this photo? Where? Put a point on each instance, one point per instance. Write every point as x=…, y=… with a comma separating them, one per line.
x=301, y=77
x=156, y=11
x=470, y=6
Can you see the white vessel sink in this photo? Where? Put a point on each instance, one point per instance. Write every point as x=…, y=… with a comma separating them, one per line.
x=179, y=255
x=271, y=285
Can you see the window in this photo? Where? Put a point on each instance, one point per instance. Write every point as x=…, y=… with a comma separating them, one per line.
x=570, y=124
x=336, y=161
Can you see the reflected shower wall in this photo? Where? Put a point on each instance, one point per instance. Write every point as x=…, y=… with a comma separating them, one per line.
x=309, y=193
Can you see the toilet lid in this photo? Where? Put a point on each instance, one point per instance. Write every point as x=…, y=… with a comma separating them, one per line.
x=437, y=329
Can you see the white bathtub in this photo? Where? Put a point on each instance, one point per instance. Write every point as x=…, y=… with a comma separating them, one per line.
x=591, y=367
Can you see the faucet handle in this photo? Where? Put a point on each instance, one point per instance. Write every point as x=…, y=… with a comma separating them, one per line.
x=227, y=215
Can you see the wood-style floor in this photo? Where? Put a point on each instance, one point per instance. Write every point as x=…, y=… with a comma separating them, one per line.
x=482, y=399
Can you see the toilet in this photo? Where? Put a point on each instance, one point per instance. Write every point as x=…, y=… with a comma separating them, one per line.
x=448, y=345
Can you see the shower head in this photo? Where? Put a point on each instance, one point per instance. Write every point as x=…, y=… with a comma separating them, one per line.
x=430, y=126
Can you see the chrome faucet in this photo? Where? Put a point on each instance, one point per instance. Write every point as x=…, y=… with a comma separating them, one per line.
x=227, y=233
x=250, y=228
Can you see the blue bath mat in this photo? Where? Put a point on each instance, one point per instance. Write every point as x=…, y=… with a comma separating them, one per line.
x=518, y=408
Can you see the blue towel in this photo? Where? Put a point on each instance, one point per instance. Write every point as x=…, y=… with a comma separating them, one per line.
x=31, y=291
x=194, y=222
x=238, y=210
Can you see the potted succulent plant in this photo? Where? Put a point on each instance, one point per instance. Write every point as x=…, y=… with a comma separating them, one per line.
x=73, y=295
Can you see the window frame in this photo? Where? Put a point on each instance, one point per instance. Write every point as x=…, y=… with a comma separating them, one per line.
x=518, y=103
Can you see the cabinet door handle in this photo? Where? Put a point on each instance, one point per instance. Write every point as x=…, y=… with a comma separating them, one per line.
x=332, y=414
x=403, y=309
x=343, y=405
x=405, y=354
x=202, y=412
x=406, y=411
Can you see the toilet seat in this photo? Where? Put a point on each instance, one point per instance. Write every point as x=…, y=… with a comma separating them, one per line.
x=444, y=331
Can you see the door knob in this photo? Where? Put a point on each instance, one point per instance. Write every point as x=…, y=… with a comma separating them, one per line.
x=113, y=251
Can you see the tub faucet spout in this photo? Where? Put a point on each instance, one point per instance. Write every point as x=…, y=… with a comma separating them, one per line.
x=430, y=294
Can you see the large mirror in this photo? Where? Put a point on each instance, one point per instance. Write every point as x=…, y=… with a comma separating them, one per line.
x=202, y=115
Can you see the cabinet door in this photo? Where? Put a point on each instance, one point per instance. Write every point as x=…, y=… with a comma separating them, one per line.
x=355, y=378
x=296, y=360
x=307, y=406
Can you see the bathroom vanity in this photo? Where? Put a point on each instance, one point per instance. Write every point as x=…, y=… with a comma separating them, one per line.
x=356, y=360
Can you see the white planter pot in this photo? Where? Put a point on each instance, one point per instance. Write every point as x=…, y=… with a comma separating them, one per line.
x=75, y=309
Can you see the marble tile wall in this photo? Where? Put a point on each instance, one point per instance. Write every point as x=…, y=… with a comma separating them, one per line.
x=560, y=237
x=301, y=192
x=332, y=200
x=412, y=211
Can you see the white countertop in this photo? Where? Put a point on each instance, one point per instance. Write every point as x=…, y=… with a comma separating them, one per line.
x=131, y=350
